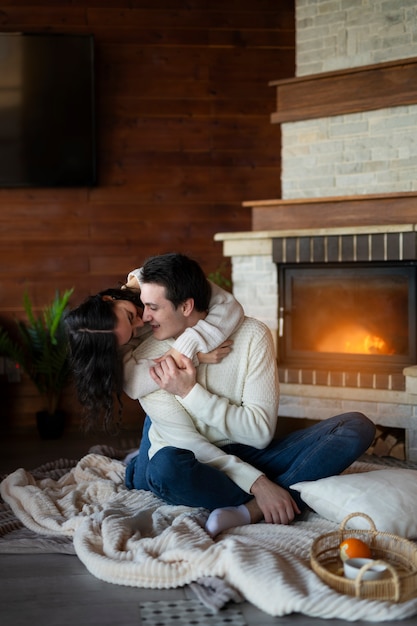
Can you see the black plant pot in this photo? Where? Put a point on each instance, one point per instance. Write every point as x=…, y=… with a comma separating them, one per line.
x=50, y=426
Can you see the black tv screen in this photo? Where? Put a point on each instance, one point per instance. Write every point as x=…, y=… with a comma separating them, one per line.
x=47, y=121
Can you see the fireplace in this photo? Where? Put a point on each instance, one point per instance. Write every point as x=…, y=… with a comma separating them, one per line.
x=280, y=277
x=347, y=307
x=352, y=318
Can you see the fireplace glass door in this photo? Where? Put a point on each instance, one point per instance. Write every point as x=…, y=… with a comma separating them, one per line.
x=348, y=316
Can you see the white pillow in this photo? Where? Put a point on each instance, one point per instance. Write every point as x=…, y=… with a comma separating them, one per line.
x=388, y=496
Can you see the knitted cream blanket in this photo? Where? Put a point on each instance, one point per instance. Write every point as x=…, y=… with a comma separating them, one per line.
x=132, y=538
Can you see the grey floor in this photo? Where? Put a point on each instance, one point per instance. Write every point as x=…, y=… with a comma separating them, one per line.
x=57, y=590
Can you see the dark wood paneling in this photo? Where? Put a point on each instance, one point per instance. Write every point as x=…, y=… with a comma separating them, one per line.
x=184, y=137
x=346, y=91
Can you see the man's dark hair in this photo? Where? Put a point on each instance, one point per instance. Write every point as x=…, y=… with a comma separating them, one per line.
x=182, y=278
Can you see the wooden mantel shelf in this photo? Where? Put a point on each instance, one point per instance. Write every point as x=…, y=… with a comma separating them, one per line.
x=336, y=211
x=352, y=90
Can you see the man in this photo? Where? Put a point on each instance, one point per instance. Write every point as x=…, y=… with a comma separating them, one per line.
x=211, y=438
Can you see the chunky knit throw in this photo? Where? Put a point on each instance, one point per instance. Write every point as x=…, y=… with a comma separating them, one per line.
x=132, y=538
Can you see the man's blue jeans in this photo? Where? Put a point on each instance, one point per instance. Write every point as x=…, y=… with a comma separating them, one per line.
x=324, y=449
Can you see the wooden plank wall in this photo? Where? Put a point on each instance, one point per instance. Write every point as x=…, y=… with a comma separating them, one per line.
x=184, y=137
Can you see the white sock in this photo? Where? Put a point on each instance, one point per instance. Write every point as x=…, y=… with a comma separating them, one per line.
x=227, y=517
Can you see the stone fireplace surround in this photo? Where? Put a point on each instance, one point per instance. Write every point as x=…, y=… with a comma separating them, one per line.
x=348, y=131
x=391, y=403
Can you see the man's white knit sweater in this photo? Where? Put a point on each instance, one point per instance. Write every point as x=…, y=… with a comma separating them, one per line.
x=233, y=401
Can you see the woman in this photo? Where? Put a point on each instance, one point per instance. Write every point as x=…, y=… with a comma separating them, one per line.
x=105, y=329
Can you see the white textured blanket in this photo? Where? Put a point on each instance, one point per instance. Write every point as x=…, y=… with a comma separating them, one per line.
x=132, y=538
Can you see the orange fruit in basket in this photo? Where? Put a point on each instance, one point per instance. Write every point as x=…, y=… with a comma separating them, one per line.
x=352, y=548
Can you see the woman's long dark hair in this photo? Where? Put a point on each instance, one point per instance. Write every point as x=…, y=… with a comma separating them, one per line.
x=95, y=356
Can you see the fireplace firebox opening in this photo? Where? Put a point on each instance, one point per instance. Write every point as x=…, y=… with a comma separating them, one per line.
x=347, y=316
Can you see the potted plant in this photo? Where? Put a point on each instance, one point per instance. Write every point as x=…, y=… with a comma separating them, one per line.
x=219, y=277
x=40, y=348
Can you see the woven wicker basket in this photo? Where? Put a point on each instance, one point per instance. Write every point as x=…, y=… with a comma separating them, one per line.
x=398, y=554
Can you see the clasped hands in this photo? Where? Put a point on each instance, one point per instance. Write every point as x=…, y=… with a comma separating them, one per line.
x=175, y=373
x=168, y=375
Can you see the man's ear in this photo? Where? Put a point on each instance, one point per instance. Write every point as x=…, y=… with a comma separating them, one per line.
x=188, y=307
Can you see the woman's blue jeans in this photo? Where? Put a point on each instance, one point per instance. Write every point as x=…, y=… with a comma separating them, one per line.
x=323, y=449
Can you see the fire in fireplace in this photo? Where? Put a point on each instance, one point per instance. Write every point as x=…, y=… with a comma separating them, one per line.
x=347, y=316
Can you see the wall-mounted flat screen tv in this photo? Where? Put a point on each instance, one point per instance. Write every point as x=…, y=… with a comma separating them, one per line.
x=47, y=118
